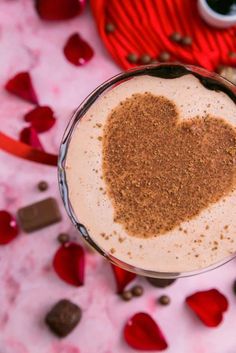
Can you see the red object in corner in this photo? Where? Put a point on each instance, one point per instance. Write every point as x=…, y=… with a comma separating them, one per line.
x=145, y=27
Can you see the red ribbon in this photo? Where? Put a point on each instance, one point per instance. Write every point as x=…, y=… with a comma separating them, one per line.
x=22, y=150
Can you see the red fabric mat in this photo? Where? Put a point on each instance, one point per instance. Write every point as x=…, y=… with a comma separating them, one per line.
x=144, y=26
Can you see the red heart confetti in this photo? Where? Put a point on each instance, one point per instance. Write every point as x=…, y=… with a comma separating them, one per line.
x=141, y=332
x=122, y=277
x=77, y=51
x=59, y=10
x=41, y=118
x=8, y=227
x=21, y=86
x=69, y=263
x=209, y=306
x=29, y=136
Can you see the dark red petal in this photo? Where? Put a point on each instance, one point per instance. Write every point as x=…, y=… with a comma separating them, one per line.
x=209, y=306
x=59, y=9
x=77, y=51
x=122, y=277
x=8, y=227
x=29, y=136
x=41, y=118
x=69, y=263
x=21, y=85
x=141, y=332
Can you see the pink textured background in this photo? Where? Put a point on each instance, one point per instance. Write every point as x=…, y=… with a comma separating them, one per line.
x=28, y=284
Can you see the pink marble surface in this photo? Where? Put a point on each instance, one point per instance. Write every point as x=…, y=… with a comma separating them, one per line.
x=28, y=284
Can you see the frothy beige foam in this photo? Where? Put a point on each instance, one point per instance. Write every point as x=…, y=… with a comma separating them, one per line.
x=204, y=240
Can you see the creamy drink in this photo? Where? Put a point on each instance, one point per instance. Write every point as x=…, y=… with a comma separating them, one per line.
x=150, y=171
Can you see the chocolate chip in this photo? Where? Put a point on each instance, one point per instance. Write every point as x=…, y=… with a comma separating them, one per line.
x=164, y=56
x=63, y=238
x=186, y=40
x=232, y=54
x=42, y=185
x=132, y=58
x=164, y=300
x=127, y=295
x=160, y=282
x=137, y=291
x=234, y=287
x=145, y=59
x=110, y=27
x=39, y=215
x=176, y=37
x=63, y=317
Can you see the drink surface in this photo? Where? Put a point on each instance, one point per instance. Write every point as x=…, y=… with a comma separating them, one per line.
x=151, y=170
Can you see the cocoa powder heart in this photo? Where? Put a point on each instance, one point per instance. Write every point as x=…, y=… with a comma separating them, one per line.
x=160, y=169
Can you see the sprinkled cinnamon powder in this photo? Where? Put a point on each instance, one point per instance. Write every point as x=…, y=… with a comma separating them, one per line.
x=161, y=170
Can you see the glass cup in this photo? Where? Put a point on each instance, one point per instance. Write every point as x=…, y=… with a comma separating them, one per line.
x=212, y=80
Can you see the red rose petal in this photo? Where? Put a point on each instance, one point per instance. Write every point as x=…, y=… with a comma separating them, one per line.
x=8, y=227
x=122, y=277
x=69, y=263
x=59, y=9
x=21, y=86
x=141, y=332
x=77, y=51
x=41, y=118
x=209, y=306
x=29, y=136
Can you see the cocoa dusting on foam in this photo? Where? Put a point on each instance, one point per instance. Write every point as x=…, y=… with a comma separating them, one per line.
x=161, y=170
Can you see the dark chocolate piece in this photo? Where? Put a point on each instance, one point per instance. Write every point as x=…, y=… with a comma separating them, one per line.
x=39, y=215
x=160, y=282
x=63, y=317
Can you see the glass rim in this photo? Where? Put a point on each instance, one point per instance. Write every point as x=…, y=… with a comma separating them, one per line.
x=63, y=149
